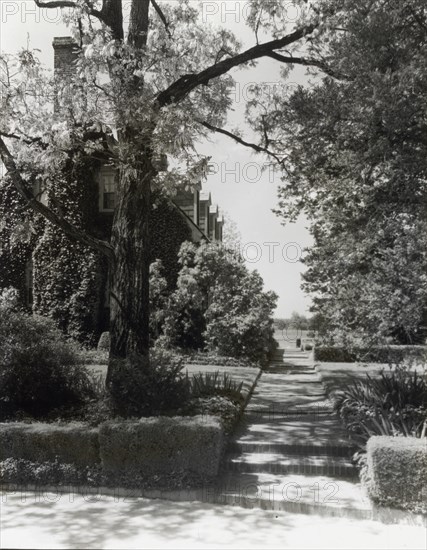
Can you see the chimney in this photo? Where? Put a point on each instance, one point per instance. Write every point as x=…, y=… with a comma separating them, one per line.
x=66, y=52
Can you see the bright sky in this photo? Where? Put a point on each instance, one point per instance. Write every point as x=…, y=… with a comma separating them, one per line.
x=238, y=186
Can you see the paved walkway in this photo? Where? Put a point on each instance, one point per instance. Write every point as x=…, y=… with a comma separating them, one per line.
x=291, y=453
x=287, y=476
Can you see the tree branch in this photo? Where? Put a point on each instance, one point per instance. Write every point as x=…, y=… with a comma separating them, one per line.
x=308, y=62
x=138, y=24
x=28, y=141
x=187, y=83
x=111, y=13
x=56, y=4
x=162, y=16
x=254, y=146
x=57, y=219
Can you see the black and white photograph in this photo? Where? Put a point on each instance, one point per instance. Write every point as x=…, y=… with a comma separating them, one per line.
x=213, y=274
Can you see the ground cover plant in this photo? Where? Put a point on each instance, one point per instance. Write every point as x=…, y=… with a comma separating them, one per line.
x=394, y=403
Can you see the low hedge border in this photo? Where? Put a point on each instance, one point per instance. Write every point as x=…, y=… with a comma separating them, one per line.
x=203, y=358
x=395, y=473
x=74, y=443
x=386, y=354
x=151, y=452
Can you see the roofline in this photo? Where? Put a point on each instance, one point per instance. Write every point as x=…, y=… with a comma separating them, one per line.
x=188, y=219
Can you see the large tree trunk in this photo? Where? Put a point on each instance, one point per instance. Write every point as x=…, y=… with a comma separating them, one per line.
x=129, y=272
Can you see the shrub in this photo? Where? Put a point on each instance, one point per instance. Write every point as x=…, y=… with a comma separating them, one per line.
x=138, y=389
x=39, y=370
x=395, y=403
x=210, y=384
x=228, y=412
x=158, y=451
x=23, y=472
x=308, y=347
x=202, y=358
x=376, y=354
x=219, y=305
x=396, y=472
x=153, y=446
x=71, y=443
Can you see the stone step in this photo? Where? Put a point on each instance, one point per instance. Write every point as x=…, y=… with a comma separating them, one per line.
x=273, y=386
x=300, y=449
x=289, y=404
x=264, y=415
x=276, y=463
x=320, y=495
x=291, y=367
x=293, y=430
x=289, y=374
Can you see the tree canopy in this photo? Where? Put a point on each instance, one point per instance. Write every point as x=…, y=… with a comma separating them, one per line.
x=139, y=93
x=354, y=146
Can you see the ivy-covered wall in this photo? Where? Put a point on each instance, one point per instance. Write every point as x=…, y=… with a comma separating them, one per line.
x=67, y=276
x=69, y=279
x=17, y=237
x=169, y=230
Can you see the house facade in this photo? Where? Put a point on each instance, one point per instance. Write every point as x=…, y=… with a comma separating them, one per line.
x=68, y=281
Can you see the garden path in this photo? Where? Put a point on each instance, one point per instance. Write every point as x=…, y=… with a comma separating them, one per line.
x=289, y=455
x=291, y=452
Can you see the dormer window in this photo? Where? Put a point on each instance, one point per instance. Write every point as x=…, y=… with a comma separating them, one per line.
x=107, y=189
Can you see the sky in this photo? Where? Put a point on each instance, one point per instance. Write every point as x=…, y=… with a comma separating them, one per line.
x=237, y=184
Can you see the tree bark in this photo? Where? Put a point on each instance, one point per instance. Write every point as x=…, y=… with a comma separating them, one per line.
x=129, y=272
x=112, y=15
x=138, y=24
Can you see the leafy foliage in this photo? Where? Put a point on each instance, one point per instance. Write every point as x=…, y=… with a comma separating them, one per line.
x=211, y=358
x=394, y=404
x=137, y=95
x=219, y=304
x=39, y=369
x=353, y=144
x=208, y=384
x=18, y=232
x=168, y=231
x=141, y=389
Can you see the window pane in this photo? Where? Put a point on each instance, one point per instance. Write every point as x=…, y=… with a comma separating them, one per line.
x=108, y=189
x=109, y=201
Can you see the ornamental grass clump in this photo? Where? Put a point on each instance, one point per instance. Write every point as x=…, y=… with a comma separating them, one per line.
x=213, y=384
x=393, y=404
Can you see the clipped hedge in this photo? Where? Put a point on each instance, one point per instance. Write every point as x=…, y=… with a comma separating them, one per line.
x=379, y=354
x=73, y=443
x=209, y=358
x=396, y=472
x=159, y=445
x=149, y=452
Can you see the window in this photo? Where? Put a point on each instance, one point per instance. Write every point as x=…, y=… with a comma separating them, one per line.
x=107, y=189
x=29, y=283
